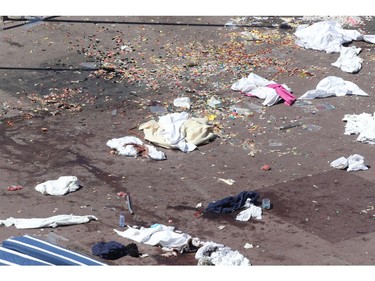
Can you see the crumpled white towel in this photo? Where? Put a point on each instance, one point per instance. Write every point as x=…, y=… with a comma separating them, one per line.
x=129, y=146
x=255, y=85
x=333, y=86
x=353, y=163
x=248, y=213
x=218, y=254
x=349, y=60
x=61, y=186
x=157, y=234
x=325, y=36
x=178, y=130
x=54, y=221
x=362, y=125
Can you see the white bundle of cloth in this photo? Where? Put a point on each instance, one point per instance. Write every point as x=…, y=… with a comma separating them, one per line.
x=61, y=186
x=178, y=130
x=362, y=125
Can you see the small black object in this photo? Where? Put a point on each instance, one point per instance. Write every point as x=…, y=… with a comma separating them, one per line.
x=111, y=250
x=133, y=250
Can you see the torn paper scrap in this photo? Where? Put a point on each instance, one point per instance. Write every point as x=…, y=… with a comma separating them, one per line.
x=333, y=86
x=61, y=186
x=349, y=61
x=269, y=91
x=362, y=125
x=54, y=221
x=227, y=181
x=325, y=36
x=157, y=234
x=211, y=253
x=178, y=131
x=353, y=163
x=134, y=147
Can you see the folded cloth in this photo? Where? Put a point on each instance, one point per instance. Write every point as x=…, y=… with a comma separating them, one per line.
x=231, y=203
x=109, y=250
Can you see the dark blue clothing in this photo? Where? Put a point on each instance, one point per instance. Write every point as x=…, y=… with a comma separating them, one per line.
x=232, y=203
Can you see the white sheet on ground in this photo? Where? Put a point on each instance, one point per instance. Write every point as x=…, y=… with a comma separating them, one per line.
x=25, y=223
x=129, y=146
x=349, y=61
x=333, y=86
x=61, y=186
x=362, y=125
x=256, y=86
x=218, y=254
x=178, y=130
x=157, y=234
x=326, y=36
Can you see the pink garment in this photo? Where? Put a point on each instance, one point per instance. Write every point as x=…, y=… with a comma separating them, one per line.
x=288, y=98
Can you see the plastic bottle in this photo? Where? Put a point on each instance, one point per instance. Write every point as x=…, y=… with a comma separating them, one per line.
x=122, y=220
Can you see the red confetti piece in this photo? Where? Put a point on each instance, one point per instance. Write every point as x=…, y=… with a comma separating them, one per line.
x=266, y=167
x=14, y=187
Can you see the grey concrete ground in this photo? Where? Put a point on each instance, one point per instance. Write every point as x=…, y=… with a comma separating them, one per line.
x=69, y=84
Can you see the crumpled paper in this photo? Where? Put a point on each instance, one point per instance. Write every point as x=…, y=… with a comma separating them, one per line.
x=26, y=223
x=61, y=186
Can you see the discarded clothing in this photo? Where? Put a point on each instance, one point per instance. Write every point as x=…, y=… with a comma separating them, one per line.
x=270, y=91
x=333, y=86
x=354, y=162
x=217, y=254
x=288, y=98
x=349, y=60
x=134, y=147
x=61, y=186
x=47, y=222
x=157, y=234
x=249, y=212
x=179, y=131
x=232, y=203
x=362, y=125
x=111, y=250
x=326, y=36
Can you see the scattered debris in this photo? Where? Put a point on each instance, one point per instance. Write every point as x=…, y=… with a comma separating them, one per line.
x=354, y=162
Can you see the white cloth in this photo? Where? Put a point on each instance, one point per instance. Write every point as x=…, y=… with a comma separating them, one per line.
x=178, y=130
x=354, y=162
x=256, y=85
x=157, y=234
x=61, y=186
x=127, y=146
x=248, y=213
x=220, y=255
x=46, y=222
x=325, y=36
x=362, y=125
x=349, y=60
x=333, y=86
